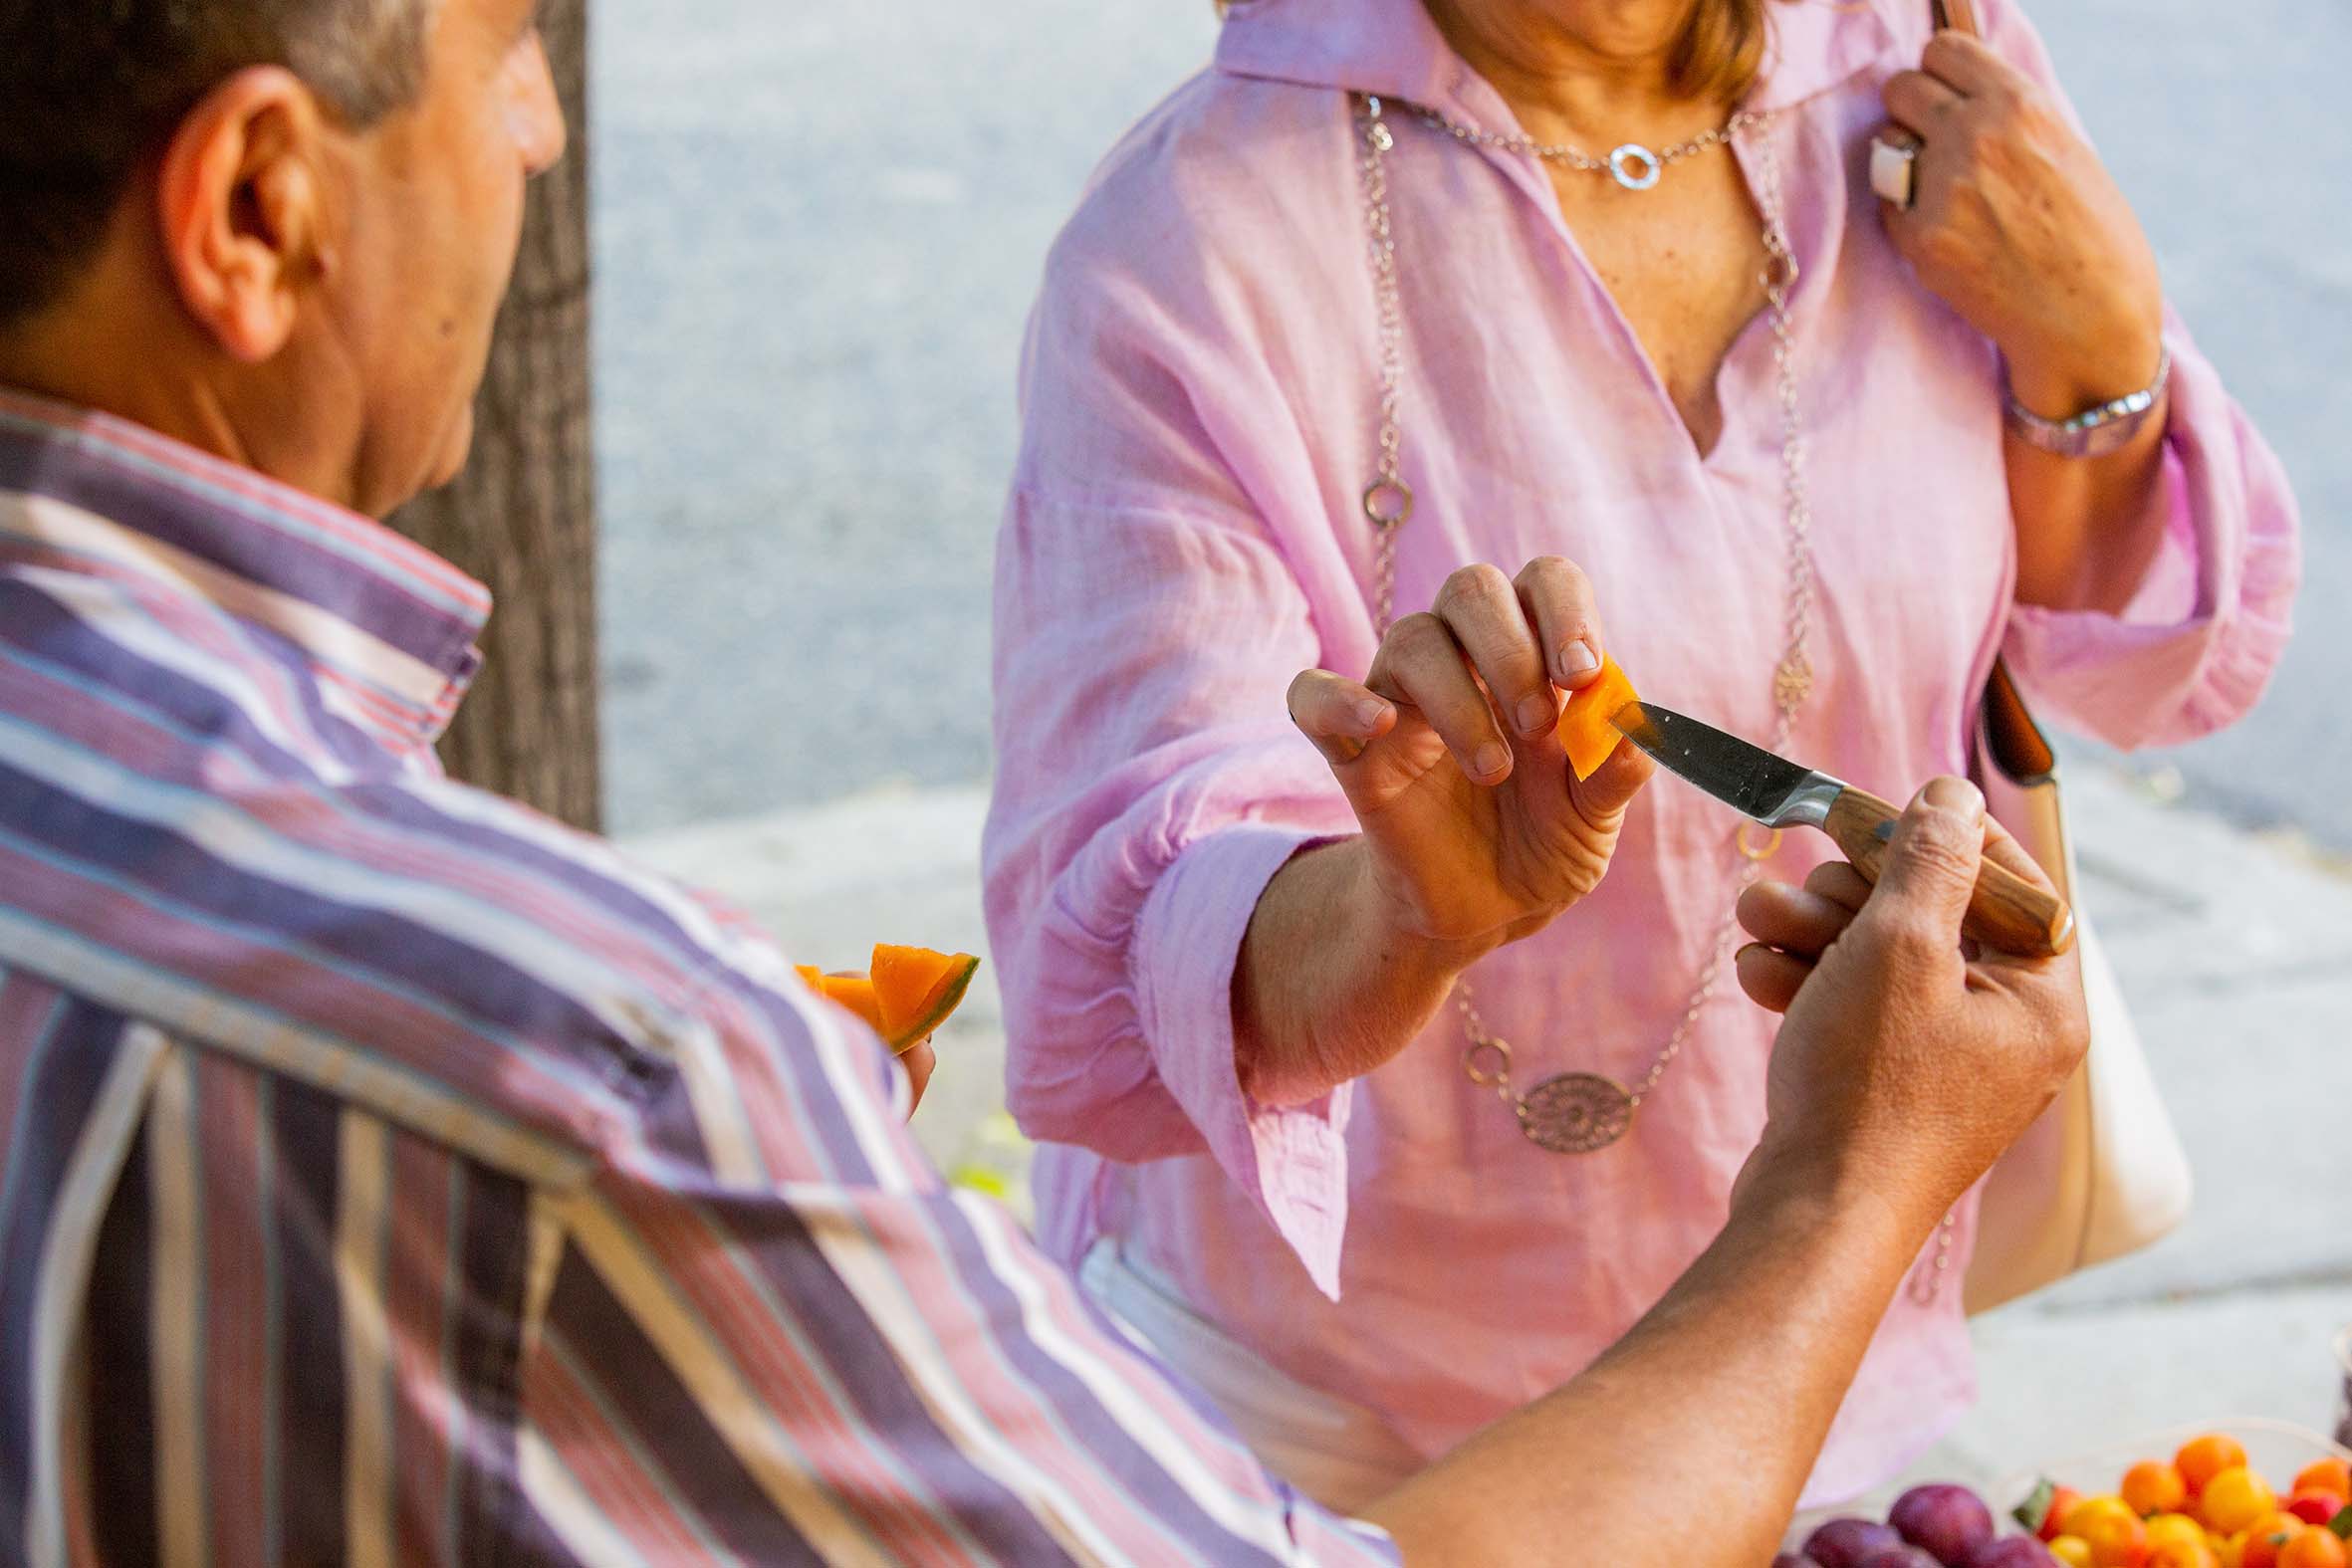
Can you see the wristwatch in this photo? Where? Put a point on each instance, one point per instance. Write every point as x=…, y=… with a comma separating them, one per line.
x=2095, y=432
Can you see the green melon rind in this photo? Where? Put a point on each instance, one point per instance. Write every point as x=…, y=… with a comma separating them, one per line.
x=944, y=1001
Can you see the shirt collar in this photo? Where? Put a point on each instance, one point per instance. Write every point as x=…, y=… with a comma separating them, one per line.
x=1391, y=47
x=388, y=627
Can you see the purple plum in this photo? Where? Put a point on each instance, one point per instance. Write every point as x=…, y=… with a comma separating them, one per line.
x=1844, y=1543
x=2011, y=1551
x=1793, y=1560
x=1946, y=1522
x=1901, y=1557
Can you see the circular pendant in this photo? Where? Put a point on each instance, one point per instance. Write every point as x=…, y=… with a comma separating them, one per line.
x=1634, y=166
x=1575, y=1113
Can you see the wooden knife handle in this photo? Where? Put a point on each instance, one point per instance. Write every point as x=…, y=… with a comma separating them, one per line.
x=2008, y=912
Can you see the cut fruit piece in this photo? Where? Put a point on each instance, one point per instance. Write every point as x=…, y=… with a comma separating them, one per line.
x=857, y=993
x=1584, y=727
x=810, y=976
x=916, y=989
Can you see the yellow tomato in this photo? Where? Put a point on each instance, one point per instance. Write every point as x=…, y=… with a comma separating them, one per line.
x=2233, y=1499
x=2175, y=1527
x=2072, y=1550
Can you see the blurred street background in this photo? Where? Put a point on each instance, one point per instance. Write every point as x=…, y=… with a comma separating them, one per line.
x=819, y=231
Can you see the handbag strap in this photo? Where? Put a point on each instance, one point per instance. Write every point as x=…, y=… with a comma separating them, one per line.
x=1958, y=16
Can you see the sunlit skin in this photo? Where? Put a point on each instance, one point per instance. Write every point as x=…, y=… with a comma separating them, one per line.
x=313, y=303
x=1355, y=946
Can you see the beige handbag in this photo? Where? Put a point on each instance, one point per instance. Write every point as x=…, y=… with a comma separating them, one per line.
x=2102, y=1173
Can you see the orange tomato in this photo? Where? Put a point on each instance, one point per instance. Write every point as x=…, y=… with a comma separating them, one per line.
x=2202, y=1459
x=2118, y=1537
x=2153, y=1486
x=2234, y=1498
x=2313, y=1549
x=2268, y=1538
x=2332, y=1476
x=2183, y=1554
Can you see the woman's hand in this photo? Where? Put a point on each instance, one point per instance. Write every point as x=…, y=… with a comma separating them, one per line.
x=2017, y=226
x=1474, y=829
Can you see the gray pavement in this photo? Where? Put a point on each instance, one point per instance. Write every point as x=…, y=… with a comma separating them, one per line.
x=2236, y=951
x=819, y=227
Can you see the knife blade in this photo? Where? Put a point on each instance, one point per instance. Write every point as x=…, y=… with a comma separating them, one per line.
x=2005, y=912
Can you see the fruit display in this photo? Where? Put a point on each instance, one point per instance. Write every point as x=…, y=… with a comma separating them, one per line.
x=905, y=996
x=2208, y=1506
x=1584, y=727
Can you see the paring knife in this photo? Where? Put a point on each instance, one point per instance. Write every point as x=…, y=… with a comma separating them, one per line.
x=2008, y=912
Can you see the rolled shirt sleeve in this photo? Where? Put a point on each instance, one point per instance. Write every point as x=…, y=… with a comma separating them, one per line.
x=1150, y=786
x=2194, y=648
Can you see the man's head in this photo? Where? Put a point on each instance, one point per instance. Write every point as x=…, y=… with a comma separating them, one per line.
x=279, y=229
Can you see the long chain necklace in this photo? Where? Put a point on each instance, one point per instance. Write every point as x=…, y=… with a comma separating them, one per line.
x=1580, y=1112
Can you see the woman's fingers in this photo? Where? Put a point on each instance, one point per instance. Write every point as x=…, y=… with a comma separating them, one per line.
x=1919, y=101
x=1793, y=919
x=1557, y=597
x=1422, y=665
x=1602, y=798
x=1481, y=608
x=1339, y=716
x=1770, y=978
x=1972, y=67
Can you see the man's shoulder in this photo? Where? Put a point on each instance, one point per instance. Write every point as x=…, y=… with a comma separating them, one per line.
x=377, y=927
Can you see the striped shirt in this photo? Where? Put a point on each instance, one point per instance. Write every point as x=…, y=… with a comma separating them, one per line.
x=393, y=1176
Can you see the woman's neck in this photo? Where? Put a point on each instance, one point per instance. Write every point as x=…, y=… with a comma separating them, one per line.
x=1577, y=71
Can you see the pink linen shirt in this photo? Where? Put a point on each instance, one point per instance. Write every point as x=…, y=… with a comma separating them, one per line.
x=1184, y=534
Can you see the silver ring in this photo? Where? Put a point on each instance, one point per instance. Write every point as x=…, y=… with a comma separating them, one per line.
x=1894, y=167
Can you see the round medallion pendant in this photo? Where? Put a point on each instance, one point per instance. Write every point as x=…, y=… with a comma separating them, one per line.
x=1635, y=166
x=1575, y=1113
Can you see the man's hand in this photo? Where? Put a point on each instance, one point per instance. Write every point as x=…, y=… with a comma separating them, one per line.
x=1906, y=1062
x=918, y=1060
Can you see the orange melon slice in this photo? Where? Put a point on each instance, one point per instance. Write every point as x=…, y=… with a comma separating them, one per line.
x=855, y=992
x=916, y=988
x=1584, y=727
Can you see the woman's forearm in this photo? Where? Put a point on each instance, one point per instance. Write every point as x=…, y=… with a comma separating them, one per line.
x=2088, y=529
x=1327, y=989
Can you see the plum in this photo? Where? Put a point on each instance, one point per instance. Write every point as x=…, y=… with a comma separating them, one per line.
x=1844, y=1543
x=1793, y=1560
x=1947, y=1522
x=1901, y=1557
x=2011, y=1551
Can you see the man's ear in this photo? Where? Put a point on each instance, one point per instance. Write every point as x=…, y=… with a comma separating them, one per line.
x=244, y=209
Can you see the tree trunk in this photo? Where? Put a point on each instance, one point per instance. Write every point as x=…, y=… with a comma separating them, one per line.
x=521, y=517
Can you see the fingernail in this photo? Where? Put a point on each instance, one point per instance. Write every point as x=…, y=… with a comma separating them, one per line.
x=1370, y=713
x=1577, y=659
x=1536, y=714
x=1955, y=795
x=1491, y=760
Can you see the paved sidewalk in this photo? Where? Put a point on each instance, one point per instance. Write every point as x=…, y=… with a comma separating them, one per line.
x=2236, y=949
